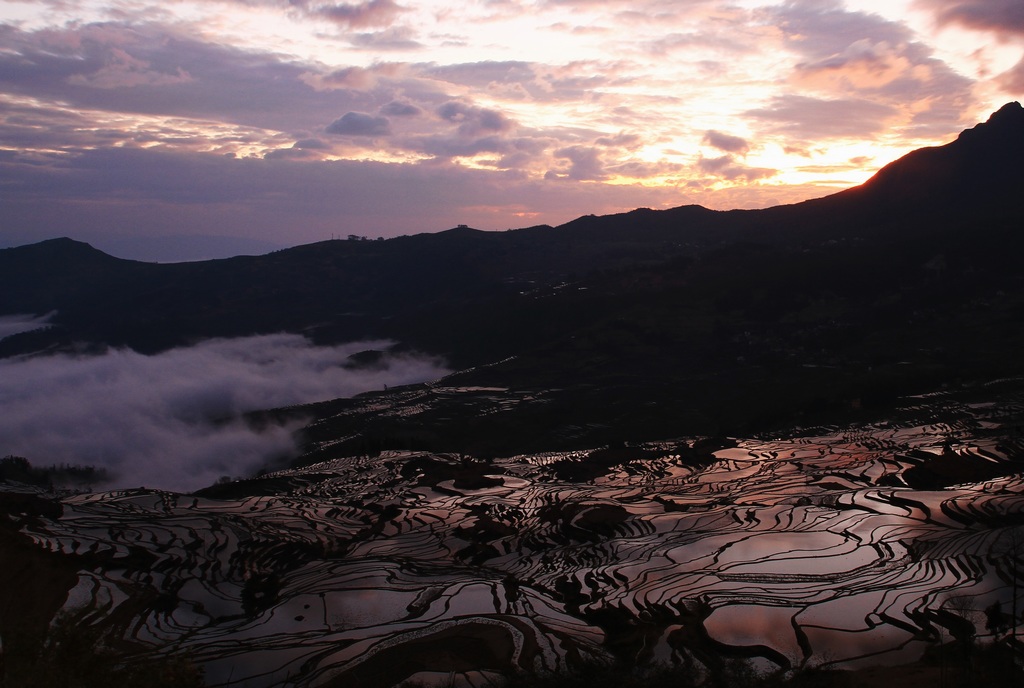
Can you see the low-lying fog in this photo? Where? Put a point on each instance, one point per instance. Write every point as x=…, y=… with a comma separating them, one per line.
x=172, y=420
x=13, y=324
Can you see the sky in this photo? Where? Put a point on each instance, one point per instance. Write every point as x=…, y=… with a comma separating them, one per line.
x=173, y=420
x=148, y=128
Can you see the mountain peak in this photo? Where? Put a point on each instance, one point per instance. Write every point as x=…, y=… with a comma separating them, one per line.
x=1005, y=120
x=60, y=246
x=1008, y=112
x=980, y=168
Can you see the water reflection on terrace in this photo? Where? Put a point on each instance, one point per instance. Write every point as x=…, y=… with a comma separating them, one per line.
x=837, y=545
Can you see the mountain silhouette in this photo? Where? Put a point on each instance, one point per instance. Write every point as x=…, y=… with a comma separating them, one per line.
x=982, y=166
x=655, y=321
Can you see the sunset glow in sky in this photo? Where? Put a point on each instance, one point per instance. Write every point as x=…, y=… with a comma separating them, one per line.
x=287, y=121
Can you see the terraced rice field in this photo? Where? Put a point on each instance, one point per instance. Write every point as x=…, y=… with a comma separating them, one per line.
x=844, y=546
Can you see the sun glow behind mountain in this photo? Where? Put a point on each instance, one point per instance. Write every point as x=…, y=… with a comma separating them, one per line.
x=288, y=122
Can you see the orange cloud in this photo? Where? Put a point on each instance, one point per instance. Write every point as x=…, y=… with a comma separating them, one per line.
x=861, y=65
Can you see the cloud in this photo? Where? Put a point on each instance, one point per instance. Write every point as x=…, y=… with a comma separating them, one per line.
x=586, y=163
x=639, y=169
x=861, y=58
x=483, y=73
x=173, y=420
x=519, y=80
x=101, y=194
x=727, y=168
x=473, y=120
x=447, y=147
x=1012, y=81
x=353, y=15
x=399, y=109
x=725, y=142
x=311, y=144
x=819, y=28
x=154, y=70
x=709, y=40
x=862, y=64
x=293, y=153
x=125, y=71
x=355, y=78
x=478, y=130
x=816, y=119
x=394, y=38
x=360, y=124
x=365, y=14
x=620, y=140
x=1002, y=16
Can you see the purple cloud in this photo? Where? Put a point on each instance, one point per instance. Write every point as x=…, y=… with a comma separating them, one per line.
x=446, y=147
x=125, y=71
x=360, y=124
x=399, y=109
x=1003, y=16
x=718, y=41
x=1012, y=81
x=355, y=78
x=474, y=120
x=815, y=118
x=725, y=142
x=518, y=80
x=99, y=67
x=103, y=194
x=394, y=38
x=365, y=14
x=727, y=168
x=311, y=144
x=586, y=163
x=860, y=58
x=620, y=140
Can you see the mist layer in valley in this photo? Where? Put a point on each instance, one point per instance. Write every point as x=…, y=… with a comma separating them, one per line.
x=175, y=420
x=15, y=324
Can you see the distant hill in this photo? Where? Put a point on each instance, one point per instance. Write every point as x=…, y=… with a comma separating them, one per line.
x=688, y=317
x=176, y=249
